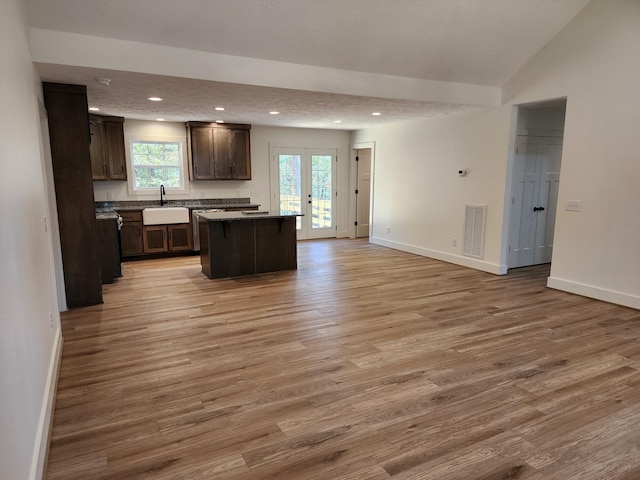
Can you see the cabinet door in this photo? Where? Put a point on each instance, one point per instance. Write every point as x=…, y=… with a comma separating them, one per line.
x=131, y=238
x=99, y=167
x=179, y=237
x=202, y=153
x=240, y=154
x=114, y=143
x=108, y=250
x=155, y=238
x=223, y=162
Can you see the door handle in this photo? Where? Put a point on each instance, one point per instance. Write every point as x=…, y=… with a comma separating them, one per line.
x=538, y=209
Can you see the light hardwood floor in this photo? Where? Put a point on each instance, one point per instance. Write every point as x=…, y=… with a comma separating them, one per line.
x=365, y=363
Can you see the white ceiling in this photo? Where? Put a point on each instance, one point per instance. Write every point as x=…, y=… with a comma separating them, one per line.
x=482, y=42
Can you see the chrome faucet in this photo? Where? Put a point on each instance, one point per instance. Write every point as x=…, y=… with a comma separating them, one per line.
x=162, y=192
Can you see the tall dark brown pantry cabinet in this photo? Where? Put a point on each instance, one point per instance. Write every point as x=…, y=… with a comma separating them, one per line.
x=68, y=119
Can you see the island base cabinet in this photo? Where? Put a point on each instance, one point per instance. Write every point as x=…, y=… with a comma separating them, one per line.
x=226, y=249
x=276, y=245
x=236, y=248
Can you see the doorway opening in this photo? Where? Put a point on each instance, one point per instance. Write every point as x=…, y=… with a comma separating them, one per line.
x=535, y=181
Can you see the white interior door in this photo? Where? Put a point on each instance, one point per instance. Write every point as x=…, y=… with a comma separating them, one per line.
x=306, y=185
x=534, y=200
x=363, y=191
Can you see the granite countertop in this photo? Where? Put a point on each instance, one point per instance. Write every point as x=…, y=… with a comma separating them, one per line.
x=249, y=215
x=193, y=204
x=107, y=216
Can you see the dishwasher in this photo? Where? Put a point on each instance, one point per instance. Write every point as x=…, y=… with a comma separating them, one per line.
x=196, y=228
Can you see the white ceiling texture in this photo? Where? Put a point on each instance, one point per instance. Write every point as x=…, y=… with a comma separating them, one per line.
x=356, y=56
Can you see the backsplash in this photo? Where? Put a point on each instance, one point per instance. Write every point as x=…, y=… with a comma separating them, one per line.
x=111, y=206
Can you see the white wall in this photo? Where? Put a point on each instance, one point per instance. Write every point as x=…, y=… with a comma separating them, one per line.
x=595, y=63
x=28, y=342
x=258, y=189
x=418, y=193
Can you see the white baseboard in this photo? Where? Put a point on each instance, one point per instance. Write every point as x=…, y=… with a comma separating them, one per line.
x=494, y=268
x=598, y=293
x=46, y=415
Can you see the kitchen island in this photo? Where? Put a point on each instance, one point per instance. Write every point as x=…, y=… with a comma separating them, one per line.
x=234, y=244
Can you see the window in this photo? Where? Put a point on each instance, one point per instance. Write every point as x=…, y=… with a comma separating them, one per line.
x=157, y=163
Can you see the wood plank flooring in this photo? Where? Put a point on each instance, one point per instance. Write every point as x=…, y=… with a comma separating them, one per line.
x=365, y=363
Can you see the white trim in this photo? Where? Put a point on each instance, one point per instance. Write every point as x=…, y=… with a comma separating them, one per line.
x=442, y=256
x=353, y=185
x=154, y=193
x=41, y=450
x=591, y=291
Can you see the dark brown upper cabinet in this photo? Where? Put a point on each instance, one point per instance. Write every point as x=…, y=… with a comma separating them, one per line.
x=107, y=148
x=219, y=151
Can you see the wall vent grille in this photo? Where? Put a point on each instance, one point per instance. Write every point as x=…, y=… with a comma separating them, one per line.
x=474, y=224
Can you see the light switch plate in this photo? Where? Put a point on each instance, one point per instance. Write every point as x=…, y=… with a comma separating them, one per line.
x=573, y=205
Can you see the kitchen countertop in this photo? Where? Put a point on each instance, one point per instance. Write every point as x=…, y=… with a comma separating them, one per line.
x=192, y=204
x=250, y=215
x=107, y=216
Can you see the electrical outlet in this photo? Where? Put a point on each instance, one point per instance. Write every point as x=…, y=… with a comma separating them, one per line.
x=388, y=229
x=454, y=242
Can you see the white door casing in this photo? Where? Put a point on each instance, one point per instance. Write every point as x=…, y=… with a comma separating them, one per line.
x=363, y=189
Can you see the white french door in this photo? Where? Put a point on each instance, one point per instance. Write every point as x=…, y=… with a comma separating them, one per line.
x=535, y=196
x=306, y=185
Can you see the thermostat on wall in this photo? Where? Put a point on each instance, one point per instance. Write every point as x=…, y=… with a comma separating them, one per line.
x=462, y=172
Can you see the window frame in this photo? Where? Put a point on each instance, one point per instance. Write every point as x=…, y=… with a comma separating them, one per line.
x=154, y=192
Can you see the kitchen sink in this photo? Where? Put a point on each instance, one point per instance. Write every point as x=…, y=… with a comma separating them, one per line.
x=165, y=215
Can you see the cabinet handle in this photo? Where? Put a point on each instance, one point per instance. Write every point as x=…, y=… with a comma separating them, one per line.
x=195, y=169
x=122, y=168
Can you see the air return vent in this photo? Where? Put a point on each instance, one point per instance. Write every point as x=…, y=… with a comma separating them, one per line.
x=474, y=221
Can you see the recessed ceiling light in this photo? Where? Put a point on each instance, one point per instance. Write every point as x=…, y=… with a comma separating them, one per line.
x=160, y=119
x=375, y=114
x=337, y=121
x=220, y=109
x=274, y=113
x=154, y=99
x=219, y=121
x=94, y=109
x=103, y=81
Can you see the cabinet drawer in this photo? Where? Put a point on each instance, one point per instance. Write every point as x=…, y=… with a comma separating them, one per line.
x=131, y=216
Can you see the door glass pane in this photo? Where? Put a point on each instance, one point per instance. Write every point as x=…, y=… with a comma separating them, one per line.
x=290, y=180
x=321, y=191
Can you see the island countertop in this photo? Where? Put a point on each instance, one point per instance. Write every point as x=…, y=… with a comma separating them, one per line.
x=245, y=215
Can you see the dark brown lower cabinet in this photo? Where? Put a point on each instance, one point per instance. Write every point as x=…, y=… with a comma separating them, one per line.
x=108, y=250
x=234, y=248
x=131, y=234
x=167, y=238
x=180, y=237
